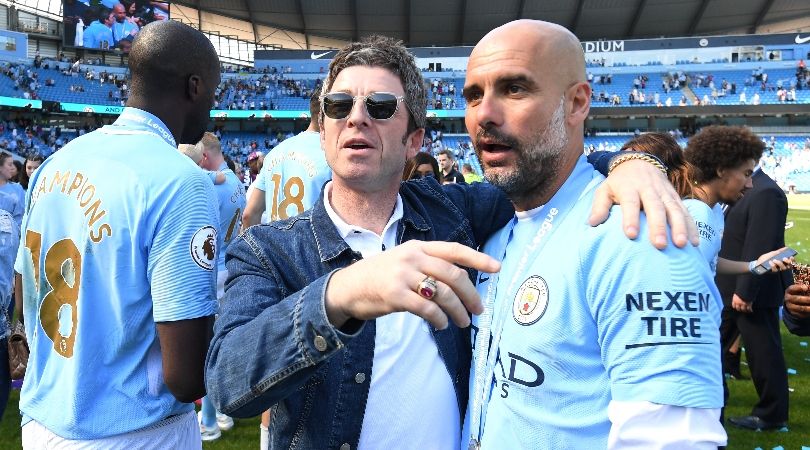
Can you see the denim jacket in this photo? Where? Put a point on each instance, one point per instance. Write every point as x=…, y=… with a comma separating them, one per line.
x=273, y=345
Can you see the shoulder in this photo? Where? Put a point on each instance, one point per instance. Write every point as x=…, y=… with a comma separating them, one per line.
x=277, y=237
x=17, y=187
x=697, y=208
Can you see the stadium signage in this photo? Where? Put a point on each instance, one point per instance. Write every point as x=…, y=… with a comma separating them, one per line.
x=603, y=46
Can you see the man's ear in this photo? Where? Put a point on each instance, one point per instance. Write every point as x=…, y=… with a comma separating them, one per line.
x=414, y=142
x=580, y=98
x=194, y=87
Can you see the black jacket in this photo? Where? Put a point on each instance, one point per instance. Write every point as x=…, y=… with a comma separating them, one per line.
x=755, y=225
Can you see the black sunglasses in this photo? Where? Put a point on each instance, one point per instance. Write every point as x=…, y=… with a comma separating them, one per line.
x=379, y=105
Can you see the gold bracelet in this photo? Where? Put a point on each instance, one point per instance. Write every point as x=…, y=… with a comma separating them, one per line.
x=636, y=155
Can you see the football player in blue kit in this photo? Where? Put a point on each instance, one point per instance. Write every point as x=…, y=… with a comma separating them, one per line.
x=117, y=263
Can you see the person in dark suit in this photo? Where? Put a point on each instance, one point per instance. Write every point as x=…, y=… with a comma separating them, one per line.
x=756, y=224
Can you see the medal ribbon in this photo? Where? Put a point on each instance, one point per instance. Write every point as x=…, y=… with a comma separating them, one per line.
x=138, y=120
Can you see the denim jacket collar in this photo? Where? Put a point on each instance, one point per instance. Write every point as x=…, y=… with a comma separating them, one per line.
x=331, y=245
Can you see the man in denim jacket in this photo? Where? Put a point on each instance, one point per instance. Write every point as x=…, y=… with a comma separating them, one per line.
x=344, y=358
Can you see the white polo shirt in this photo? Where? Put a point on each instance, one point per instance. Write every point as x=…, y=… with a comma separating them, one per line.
x=410, y=386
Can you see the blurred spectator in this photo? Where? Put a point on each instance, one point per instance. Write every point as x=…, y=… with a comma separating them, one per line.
x=420, y=166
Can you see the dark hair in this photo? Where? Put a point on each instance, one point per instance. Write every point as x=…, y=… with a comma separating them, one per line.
x=666, y=148
x=719, y=147
x=390, y=54
x=315, y=106
x=419, y=159
x=20, y=170
x=127, y=4
x=446, y=153
x=24, y=173
x=103, y=14
x=229, y=162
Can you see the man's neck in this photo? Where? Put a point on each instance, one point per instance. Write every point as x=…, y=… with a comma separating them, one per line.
x=163, y=110
x=370, y=210
x=705, y=194
x=215, y=162
x=542, y=196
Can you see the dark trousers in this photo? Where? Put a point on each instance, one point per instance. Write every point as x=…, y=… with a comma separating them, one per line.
x=5, y=376
x=763, y=351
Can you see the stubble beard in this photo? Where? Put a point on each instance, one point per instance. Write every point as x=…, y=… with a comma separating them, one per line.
x=538, y=160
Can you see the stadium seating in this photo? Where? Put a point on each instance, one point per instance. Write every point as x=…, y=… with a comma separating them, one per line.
x=744, y=83
x=242, y=87
x=787, y=162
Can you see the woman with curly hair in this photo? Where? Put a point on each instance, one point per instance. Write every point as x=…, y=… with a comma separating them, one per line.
x=715, y=168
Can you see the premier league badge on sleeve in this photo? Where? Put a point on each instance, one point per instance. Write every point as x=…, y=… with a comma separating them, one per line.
x=204, y=247
x=531, y=301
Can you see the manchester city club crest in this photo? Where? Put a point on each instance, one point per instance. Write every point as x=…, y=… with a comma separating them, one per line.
x=531, y=301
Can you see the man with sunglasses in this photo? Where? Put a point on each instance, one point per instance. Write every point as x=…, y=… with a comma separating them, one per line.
x=361, y=325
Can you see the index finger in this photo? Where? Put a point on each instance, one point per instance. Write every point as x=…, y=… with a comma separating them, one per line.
x=462, y=255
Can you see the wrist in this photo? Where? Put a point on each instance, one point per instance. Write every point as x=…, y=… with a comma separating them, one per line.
x=332, y=301
x=751, y=266
x=625, y=156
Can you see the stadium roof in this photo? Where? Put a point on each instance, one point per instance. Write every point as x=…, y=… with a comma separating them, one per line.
x=327, y=23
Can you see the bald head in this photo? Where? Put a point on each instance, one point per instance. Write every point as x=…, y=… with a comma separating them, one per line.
x=556, y=47
x=120, y=12
x=165, y=53
x=175, y=74
x=527, y=102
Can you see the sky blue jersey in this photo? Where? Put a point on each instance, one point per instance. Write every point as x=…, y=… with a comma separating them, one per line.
x=12, y=199
x=231, y=199
x=98, y=35
x=710, y=224
x=119, y=234
x=293, y=174
x=123, y=29
x=605, y=318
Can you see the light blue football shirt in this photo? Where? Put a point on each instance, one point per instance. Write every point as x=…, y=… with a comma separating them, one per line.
x=710, y=224
x=293, y=174
x=119, y=234
x=98, y=35
x=593, y=317
x=12, y=199
x=121, y=30
x=9, y=242
x=231, y=199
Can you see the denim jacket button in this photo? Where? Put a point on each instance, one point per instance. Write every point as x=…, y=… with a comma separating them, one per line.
x=345, y=447
x=320, y=343
x=360, y=378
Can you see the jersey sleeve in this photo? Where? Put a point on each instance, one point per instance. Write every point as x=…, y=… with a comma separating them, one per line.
x=261, y=180
x=212, y=175
x=702, y=216
x=657, y=315
x=182, y=253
